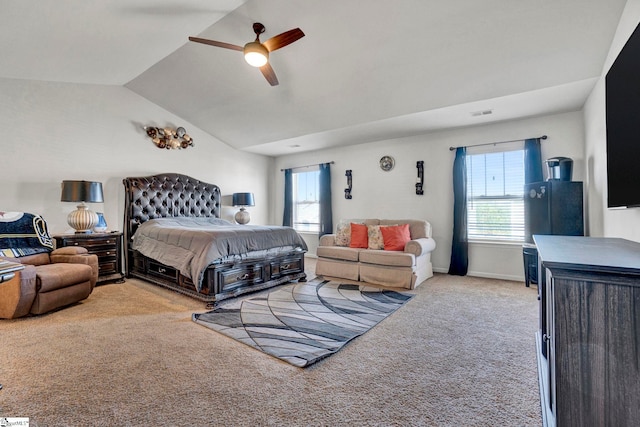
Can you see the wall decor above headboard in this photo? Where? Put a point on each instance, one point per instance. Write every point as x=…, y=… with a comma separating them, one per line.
x=169, y=138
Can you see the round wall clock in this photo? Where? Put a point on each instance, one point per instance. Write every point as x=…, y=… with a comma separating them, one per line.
x=387, y=163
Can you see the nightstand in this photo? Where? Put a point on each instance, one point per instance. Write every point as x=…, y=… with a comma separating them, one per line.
x=108, y=248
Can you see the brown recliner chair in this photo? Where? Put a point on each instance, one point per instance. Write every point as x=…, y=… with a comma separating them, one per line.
x=49, y=281
x=51, y=278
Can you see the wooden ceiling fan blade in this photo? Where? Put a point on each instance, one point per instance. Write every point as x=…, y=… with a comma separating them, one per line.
x=269, y=74
x=217, y=44
x=284, y=39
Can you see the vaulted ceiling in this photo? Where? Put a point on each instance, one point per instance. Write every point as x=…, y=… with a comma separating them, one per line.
x=365, y=70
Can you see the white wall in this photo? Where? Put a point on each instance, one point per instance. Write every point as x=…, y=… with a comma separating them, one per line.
x=57, y=131
x=606, y=222
x=391, y=195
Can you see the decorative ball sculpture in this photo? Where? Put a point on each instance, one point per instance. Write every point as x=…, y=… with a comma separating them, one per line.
x=169, y=138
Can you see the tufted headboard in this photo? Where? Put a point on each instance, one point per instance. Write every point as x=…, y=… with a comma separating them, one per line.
x=166, y=195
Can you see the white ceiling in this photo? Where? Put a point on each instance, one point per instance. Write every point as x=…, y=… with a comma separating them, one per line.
x=366, y=70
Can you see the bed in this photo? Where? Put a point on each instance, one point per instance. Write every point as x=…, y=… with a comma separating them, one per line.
x=174, y=237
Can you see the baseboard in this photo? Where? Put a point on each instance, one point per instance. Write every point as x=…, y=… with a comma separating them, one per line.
x=485, y=275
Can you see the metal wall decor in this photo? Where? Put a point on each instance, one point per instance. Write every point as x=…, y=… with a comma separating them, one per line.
x=347, y=191
x=387, y=163
x=420, y=179
x=169, y=138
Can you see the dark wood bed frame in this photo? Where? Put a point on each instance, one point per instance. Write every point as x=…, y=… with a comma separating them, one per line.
x=173, y=195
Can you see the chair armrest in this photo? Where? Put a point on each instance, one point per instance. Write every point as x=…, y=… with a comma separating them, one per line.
x=70, y=250
x=81, y=258
x=327, y=240
x=420, y=246
x=17, y=295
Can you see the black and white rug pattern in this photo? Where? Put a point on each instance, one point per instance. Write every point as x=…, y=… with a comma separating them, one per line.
x=304, y=322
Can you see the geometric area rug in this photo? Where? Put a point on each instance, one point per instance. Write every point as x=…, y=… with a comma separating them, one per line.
x=306, y=321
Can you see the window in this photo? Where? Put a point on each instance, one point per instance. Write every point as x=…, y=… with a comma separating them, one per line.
x=306, y=200
x=495, y=196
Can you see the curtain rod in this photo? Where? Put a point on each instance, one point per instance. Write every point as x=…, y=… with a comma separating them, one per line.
x=307, y=166
x=495, y=143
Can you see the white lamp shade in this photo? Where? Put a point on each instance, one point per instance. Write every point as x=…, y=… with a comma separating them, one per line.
x=255, y=54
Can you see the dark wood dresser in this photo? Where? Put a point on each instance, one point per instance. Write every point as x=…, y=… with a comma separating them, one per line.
x=108, y=248
x=588, y=345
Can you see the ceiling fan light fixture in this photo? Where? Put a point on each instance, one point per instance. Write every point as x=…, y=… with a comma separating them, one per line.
x=256, y=54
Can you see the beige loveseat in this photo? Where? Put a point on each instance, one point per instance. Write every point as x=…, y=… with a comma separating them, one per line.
x=399, y=269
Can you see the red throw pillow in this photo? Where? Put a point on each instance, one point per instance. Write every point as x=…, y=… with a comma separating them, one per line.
x=395, y=237
x=359, y=236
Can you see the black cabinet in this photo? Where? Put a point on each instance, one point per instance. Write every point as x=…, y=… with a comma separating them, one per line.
x=553, y=207
x=588, y=345
x=550, y=208
x=530, y=255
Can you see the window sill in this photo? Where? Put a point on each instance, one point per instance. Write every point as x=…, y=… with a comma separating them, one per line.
x=496, y=243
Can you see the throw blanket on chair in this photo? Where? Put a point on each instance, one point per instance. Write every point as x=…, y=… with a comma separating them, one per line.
x=22, y=234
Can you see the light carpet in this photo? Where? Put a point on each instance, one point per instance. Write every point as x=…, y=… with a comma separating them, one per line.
x=461, y=353
x=307, y=321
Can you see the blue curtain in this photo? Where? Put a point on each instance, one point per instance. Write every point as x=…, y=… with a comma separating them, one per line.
x=326, y=213
x=460, y=244
x=287, y=218
x=532, y=161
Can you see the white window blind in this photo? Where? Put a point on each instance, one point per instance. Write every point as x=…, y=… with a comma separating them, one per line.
x=306, y=200
x=495, y=202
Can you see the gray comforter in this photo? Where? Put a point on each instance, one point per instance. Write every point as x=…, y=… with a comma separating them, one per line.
x=192, y=244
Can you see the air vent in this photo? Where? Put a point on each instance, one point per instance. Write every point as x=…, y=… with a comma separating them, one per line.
x=481, y=113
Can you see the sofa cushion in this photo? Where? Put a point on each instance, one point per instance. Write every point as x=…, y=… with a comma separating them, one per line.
x=338, y=252
x=395, y=237
x=338, y=268
x=359, y=236
x=343, y=234
x=417, y=228
x=392, y=258
x=375, y=237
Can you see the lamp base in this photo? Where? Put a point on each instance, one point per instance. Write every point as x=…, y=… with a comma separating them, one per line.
x=242, y=216
x=82, y=220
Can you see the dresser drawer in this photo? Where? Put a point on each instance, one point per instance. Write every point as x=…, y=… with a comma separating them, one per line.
x=286, y=266
x=161, y=270
x=230, y=278
x=92, y=244
x=105, y=253
x=108, y=267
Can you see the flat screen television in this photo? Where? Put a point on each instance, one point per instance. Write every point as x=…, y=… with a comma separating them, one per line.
x=622, y=86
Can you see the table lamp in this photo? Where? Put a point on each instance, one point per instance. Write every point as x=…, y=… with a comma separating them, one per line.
x=82, y=220
x=243, y=199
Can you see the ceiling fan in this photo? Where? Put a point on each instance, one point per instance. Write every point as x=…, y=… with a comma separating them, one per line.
x=256, y=53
